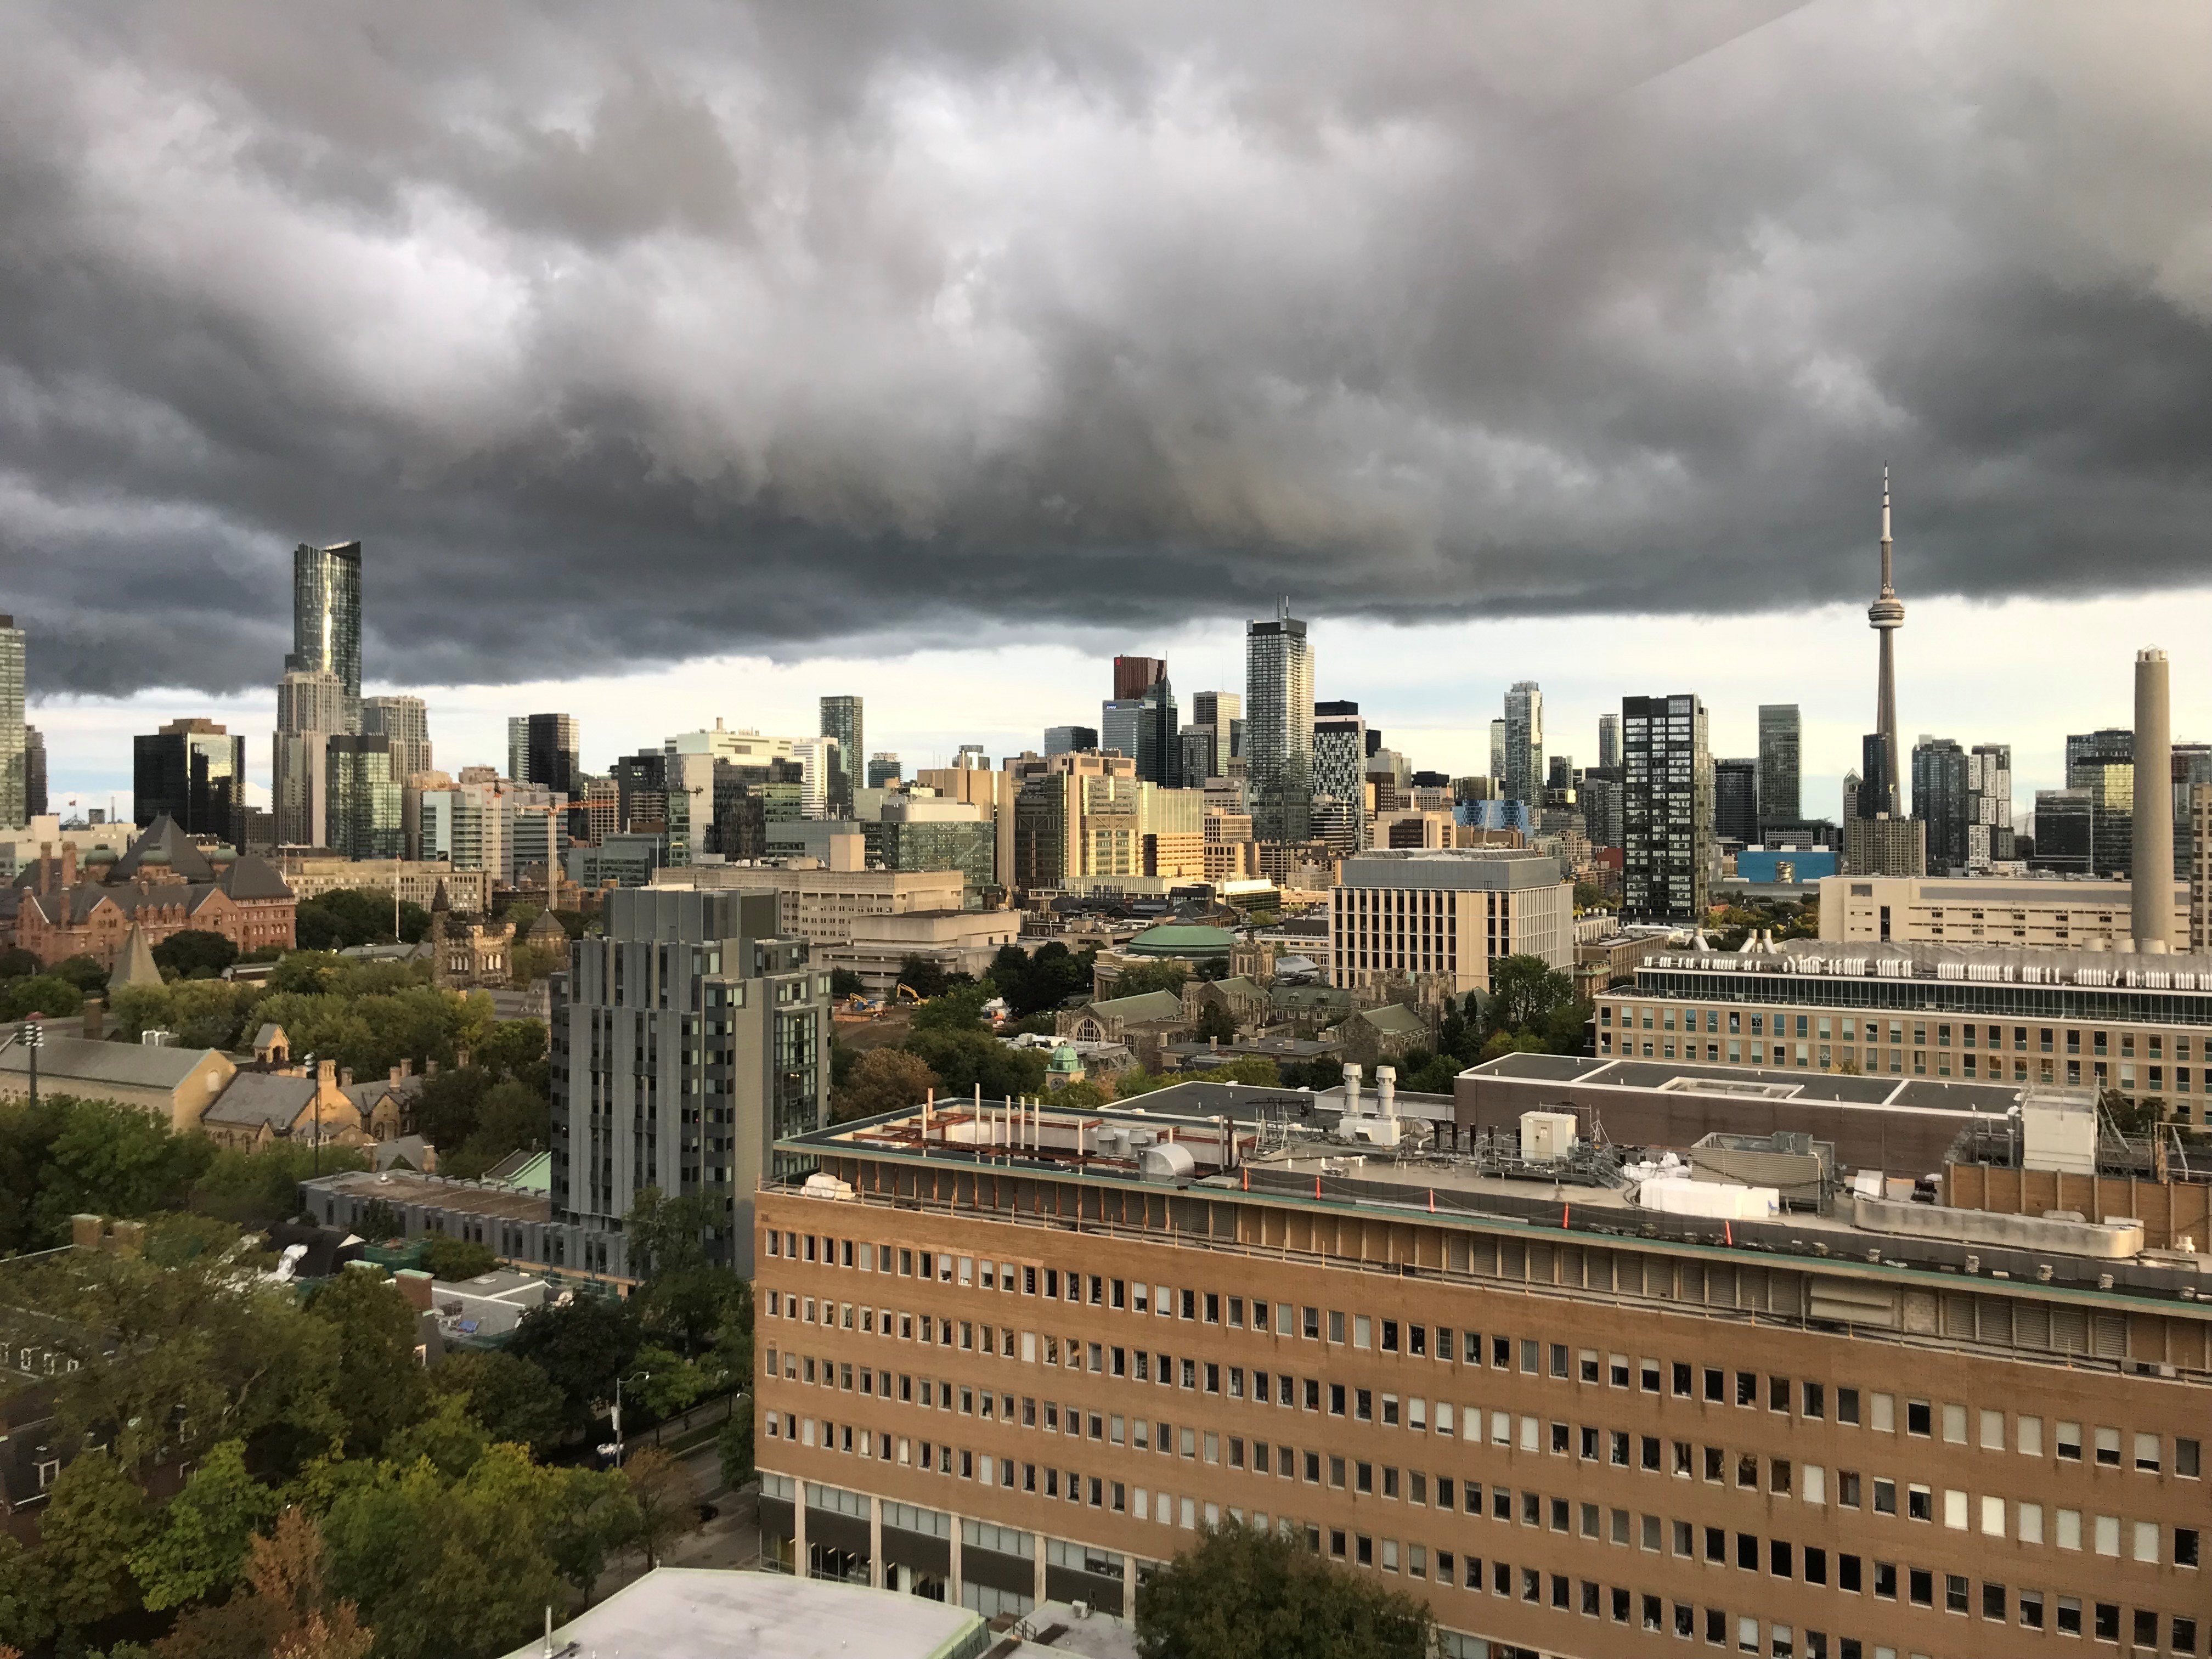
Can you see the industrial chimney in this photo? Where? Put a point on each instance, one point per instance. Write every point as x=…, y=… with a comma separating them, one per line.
x=2152, y=859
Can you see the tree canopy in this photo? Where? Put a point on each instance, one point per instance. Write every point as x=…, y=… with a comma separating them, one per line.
x=1239, y=1593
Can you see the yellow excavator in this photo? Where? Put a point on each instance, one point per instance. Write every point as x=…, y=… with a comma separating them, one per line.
x=908, y=993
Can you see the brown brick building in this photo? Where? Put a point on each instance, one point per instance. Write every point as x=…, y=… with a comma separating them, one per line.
x=164, y=885
x=998, y=1375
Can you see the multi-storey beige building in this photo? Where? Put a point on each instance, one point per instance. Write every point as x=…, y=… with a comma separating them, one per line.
x=415, y=880
x=2141, y=1025
x=1008, y=1356
x=1982, y=910
x=1407, y=914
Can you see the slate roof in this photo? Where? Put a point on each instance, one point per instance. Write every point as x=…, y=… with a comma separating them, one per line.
x=1395, y=1018
x=258, y=1097
x=364, y=1096
x=136, y=965
x=253, y=877
x=131, y=1065
x=1144, y=1005
x=163, y=846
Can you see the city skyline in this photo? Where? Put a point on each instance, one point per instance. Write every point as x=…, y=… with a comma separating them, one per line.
x=1977, y=691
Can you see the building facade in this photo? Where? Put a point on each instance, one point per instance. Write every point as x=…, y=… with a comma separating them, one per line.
x=843, y=719
x=1279, y=681
x=2065, y=832
x=696, y=1002
x=405, y=721
x=1735, y=801
x=362, y=798
x=326, y=621
x=1989, y=806
x=2035, y=914
x=1885, y=845
x=2079, y=1018
x=1581, y=1443
x=193, y=772
x=2103, y=764
x=1667, y=807
x=546, y=749
x=1340, y=775
x=1779, y=798
x=1940, y=802
x=1522, y=776
x=416, y=880
x=14, y=762
x=1444, y=918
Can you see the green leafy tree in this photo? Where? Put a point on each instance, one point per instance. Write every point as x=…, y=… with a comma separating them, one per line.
x=258, y=1189
x=957, y=1008
x=455, y=1259
x=512, y=1398
x=1240, y=1592
x=17, y=963
x=86, y=973
x=1034, y=984
x=582, y=1345
x=200, y=1548
x=924, y=978
x=375, y=1328
x=194, y=953
x=49, y=994
x=109, y=1159
x=844, y=982
x=682, y=1291
x=285, y=1609
x=1215, y=1025
x=95, y=1521
x=511, y=1047
x=666, y=1498
x=1148, y=976
x=964, y=1061
x=26, y=1596
x=1522, y=990
x=441, y=1567
x=881, y=1080
x=448, y=1437
x=734, y=1447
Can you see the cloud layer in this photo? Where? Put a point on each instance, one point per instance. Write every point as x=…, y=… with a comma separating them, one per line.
x=629, y=336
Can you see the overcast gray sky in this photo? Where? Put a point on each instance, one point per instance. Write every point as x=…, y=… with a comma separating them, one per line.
x=629, y=335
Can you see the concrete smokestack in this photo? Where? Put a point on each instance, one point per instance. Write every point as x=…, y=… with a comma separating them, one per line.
x=2152, y=859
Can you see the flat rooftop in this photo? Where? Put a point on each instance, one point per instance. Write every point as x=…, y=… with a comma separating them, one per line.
x=456, y=1197
x=1995, y=965
x=1892, y=1094
x=706, y=1612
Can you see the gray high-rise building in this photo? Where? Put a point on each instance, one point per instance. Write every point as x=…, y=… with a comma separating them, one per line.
x=192, y=772
x=1497, y=754
x=406, y=722
x=1339, y=768
x=1218, y=709
x=1603, y=805
x=1279, y=681
x=547, y=751
x=841, y=720
x=1144, y=728
x=685, y=1041
x=1779, y=796
x=2104, y=763
x=35, y=774
x=2065, y=831
x=1608, y=740
x=1523, y=779
x=15, y=779
x=1939, y=801
x=1989, y=805
x=884, y=771
x=2152, y=853
x=1735, y=801
x=326, y=618
x=312, y=708
x=1666, y=808
x=1070, y=740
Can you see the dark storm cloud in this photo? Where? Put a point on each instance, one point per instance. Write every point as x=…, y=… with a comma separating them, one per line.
x=630, y=334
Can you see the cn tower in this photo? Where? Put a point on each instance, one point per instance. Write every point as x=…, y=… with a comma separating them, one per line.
x=1886, y=615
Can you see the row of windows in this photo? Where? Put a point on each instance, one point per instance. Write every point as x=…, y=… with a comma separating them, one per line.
x=2108, y=1445
x=1851, y=1574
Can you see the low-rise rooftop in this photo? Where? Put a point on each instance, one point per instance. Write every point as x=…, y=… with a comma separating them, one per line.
x=704, y=1612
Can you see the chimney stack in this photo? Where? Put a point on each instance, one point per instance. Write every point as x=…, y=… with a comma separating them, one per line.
x=2152, y=859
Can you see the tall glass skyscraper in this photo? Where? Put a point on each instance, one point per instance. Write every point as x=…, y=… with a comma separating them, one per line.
x=841, y=720
x=326, y=616
x=1666, y=808
x=1523, y=777
x=1279, y=725
x=1339, y=769
x=1779, y=799
x=14, y=764
x=406, y=721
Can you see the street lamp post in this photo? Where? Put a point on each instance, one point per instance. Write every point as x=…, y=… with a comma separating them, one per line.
x=33, y=1036
x=315, y=1105
x=642, y=1377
